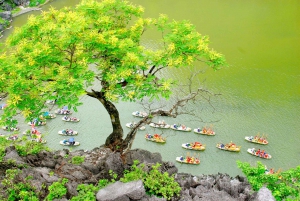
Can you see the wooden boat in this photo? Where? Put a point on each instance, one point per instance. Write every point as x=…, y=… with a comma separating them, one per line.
x=180, y=128
x=48, y=115
x=131, y=125
x=139, y=114
x=37, y=123
x=159, y=125
x=188, y=160
x=2, y=106
x=6, y=128
x=39, y=140
x=31, y=132
x=62, y=111
x=255, y=153
x=67, y=132
x=68, y=142
x=70, y=119
x=229, y=147
x=204, y=132
x=13, y=138
x=194, y=146
x=50, y=102
x=155, y=138
x=256, y=139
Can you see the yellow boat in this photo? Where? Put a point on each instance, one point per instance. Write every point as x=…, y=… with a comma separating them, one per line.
x=229, y=147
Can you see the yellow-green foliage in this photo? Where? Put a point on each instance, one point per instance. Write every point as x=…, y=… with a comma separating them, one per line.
x=284, y=185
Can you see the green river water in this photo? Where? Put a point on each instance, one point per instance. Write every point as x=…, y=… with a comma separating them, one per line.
x=260, y=89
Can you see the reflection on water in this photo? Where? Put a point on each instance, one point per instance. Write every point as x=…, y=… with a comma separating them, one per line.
x=260, y=90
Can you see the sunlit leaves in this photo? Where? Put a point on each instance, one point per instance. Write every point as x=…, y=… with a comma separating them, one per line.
x=52, y=52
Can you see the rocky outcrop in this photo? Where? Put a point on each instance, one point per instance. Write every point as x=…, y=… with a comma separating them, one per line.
x=48, y=167
x=7, y=6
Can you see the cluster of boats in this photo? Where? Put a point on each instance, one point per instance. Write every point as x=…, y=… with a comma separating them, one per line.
x=198, y=146
x=36, y=135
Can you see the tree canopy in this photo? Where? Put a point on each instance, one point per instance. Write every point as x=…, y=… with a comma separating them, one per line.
x=95, y=49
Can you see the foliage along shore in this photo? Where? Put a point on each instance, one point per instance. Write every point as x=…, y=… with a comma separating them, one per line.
x=80, y=175
x=11, y=9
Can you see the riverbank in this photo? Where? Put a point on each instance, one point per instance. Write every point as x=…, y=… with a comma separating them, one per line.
x=6, y=17
x=46, y=168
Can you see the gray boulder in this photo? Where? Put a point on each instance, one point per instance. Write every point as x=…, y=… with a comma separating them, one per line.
x=6, y=15
x=12, y=154
x=122, y=191
x=264, y=194
x=143, y=156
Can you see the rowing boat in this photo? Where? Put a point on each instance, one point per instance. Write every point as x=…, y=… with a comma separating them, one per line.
x=229, y=147
x=155, y=138
x=188, y=160
x=194, y=146
x=131, y=125
x=159, y=125
x=204, y=132
x=255, y=153
x=139, y=114
x=180, y=128
x=256, y=139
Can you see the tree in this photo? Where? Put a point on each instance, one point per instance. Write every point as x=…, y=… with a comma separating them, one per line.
x=95, y=49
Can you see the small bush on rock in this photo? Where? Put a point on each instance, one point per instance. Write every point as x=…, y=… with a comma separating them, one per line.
x=17, y=190
x=155, y=182
x=77, y=160
x=57, y=190
x=284, y=185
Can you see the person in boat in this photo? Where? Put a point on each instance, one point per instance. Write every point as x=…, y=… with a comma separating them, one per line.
x=257, y=152
x=222, y=146
x=65, y=118
x=198, y=130
x=181, y=158
x=175, y=126
x=72, y=141
x=183, y=126
x=65, y=141
x=204, y=130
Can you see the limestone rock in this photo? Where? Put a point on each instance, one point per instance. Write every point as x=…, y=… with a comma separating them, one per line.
x=119, y=191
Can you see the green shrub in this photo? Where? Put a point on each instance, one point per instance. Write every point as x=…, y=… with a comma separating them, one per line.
x=17, y=190
x=57, y=190
x=155, y=182
x=284, y=185
x=77, y=160
x=36, y=2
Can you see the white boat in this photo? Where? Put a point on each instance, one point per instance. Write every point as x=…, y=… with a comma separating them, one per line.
x=65, y=142
x=63, y=111
x=199, y=131
x=48, y=115
x=159, y=125
x=68, y=132
x=139, y=114
x=131, y=125
x=188, y=160
x=256, y=139
x=13, y=138
x=254, y=153
x=180, y=128
x=39, y=140
x=194, y=146
x=6, y=128
x=35, y=123
x=70, y=119
x=50, y=102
